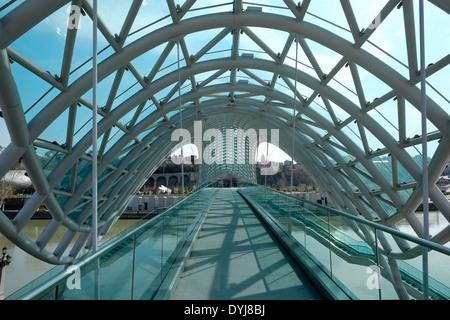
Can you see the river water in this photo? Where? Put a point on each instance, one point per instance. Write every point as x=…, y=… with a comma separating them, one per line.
x=25, y=268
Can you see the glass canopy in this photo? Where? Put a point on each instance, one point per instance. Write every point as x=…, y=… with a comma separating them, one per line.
x=339, y=80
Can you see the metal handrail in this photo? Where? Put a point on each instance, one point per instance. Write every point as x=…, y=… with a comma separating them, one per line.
x=427, y=243
x=437, y=287
x=103, y=249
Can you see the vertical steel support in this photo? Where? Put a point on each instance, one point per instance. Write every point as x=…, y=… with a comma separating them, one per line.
x=294, y=107
x=424, y=148
x=181, y=117
x=94, y=128
x=94, y=149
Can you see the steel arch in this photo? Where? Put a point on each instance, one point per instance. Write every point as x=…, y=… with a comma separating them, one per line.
x=127, y=164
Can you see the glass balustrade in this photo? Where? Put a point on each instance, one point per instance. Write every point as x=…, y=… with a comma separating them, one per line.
x=132, y=265
x=366, y=259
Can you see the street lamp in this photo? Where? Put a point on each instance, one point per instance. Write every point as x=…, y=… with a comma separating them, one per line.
x=5, y=260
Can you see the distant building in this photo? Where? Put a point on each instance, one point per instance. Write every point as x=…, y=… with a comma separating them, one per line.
x=447, y=170
x=287, y=162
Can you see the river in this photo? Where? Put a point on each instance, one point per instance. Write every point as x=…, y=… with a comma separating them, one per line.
x=24, y=268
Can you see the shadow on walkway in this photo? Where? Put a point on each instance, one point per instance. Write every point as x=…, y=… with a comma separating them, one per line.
x=236, y=257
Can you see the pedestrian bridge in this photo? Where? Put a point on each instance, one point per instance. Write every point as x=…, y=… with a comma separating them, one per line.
x=94, y=97
x=250, y=243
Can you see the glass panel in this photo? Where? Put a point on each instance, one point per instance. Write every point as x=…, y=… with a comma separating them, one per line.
x=438, y=270
x=114, y=276
x=8, y=6
x=366, y=263
x=316, y=240
x=352, y=258
x=147, y=268
x=170, y=239
x=299, y=226
x=149, y=18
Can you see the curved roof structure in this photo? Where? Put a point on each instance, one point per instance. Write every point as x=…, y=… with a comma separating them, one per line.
x=339, y=80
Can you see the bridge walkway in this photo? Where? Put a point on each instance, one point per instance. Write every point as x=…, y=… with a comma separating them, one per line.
x=236, y=257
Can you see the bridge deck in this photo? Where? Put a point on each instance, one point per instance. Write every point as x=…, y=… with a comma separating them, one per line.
x=236, y=257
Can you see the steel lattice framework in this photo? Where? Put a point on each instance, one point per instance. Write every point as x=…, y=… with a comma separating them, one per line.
x=319, y=74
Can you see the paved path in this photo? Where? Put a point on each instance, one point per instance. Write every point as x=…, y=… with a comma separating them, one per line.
x=235, y=257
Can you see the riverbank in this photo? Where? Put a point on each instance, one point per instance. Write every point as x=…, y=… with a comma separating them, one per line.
x=141, y=206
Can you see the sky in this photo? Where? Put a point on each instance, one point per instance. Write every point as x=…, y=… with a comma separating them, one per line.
x=4, y=135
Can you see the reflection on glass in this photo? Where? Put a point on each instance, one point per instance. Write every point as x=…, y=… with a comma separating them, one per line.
x=366, y=262
x=133, y=264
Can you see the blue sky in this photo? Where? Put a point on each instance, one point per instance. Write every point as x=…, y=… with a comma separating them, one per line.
x=4, y=135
